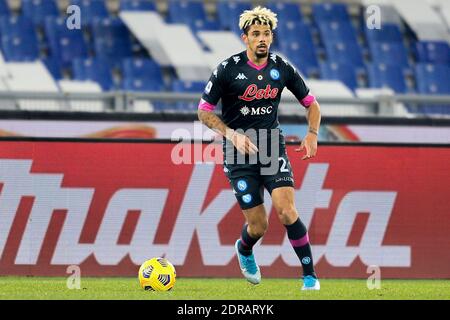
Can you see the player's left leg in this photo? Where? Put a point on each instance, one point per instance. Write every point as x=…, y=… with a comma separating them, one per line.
x=283, y=202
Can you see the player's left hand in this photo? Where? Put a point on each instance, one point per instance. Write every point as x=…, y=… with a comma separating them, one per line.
x=310, y=144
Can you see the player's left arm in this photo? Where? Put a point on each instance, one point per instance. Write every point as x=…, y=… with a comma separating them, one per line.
x=309, y=143
x=296, y=84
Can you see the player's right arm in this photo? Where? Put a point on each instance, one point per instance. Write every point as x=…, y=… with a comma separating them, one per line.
x=211, y=96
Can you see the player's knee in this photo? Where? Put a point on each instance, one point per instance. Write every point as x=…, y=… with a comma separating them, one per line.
x=257, y=229
x=287, y=215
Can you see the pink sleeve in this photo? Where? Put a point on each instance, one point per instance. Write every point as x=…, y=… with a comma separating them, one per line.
x=206, y=106
x=308, y=100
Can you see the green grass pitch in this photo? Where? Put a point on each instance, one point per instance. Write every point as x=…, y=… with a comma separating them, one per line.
x=47, y=288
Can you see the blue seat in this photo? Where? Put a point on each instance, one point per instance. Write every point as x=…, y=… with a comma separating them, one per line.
x=142, y=68
x=191, y=13
x=17, y=25
x=4, y=8
x=93, y=69
x=344, y=52
x=52, y=65
x=65, y=44
x=19, y=39
x=330, y=12
x=302, y=56
x=112, y=40
x=141, y=85
x=389, y=53
x=91, y=9
x=387, y=33
x=433, y=52
x=294, y=31
x=181, y=11
x=340, y=71
x=19, y=48
x=433, y=78
x=187, y=86
x=38, y=10
x=229, y=13
x=391, y=76
x=286, y=12
x=334, y=31
x=137, y=5
x=204, y=25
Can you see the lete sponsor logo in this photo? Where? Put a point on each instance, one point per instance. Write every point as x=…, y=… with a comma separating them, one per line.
x=252, y=92
x=17, y=181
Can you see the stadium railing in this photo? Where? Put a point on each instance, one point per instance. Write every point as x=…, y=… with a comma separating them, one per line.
x=123, y=101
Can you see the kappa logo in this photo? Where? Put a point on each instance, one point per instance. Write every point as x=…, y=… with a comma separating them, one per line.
x=273, y=56
x=236, y=59
x=241, y=76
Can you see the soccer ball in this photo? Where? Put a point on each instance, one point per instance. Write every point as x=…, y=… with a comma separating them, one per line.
x=157, y=274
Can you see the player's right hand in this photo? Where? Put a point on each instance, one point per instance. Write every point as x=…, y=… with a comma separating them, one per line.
x=243, y=143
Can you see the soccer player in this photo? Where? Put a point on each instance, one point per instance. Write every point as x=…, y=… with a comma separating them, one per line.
x=250, y=85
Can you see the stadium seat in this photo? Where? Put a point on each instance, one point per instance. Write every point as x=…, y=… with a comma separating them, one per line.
x=286, y=12
x=93, y=69
x=142, y=68
x=333, y=31
x=53, y=66
x=294, y=31
x=181, y=11
x=191, y=13
x=389, y=53
x=112, y=40
x=19, y=39
x=91, y=9
x=204, y=25
x=39, y=10
x=387, y=33
x=330, y=12
x=140, y=85
x=433, y=52
x=390, y=76
x=433, y=78
x=344, y=52
x=229, y=12
x=4, y=8
x=187, y=86
x=344, y=72
x=65, y=45
x=301, y=55
x=137, y=5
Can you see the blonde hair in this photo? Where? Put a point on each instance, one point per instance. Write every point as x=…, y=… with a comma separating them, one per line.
x=258, y=15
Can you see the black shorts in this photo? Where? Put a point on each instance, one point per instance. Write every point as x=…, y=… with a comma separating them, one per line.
x=249, y=180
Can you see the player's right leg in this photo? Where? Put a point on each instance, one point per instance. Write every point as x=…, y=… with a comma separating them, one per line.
x=253, y=230
x=249, y=192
